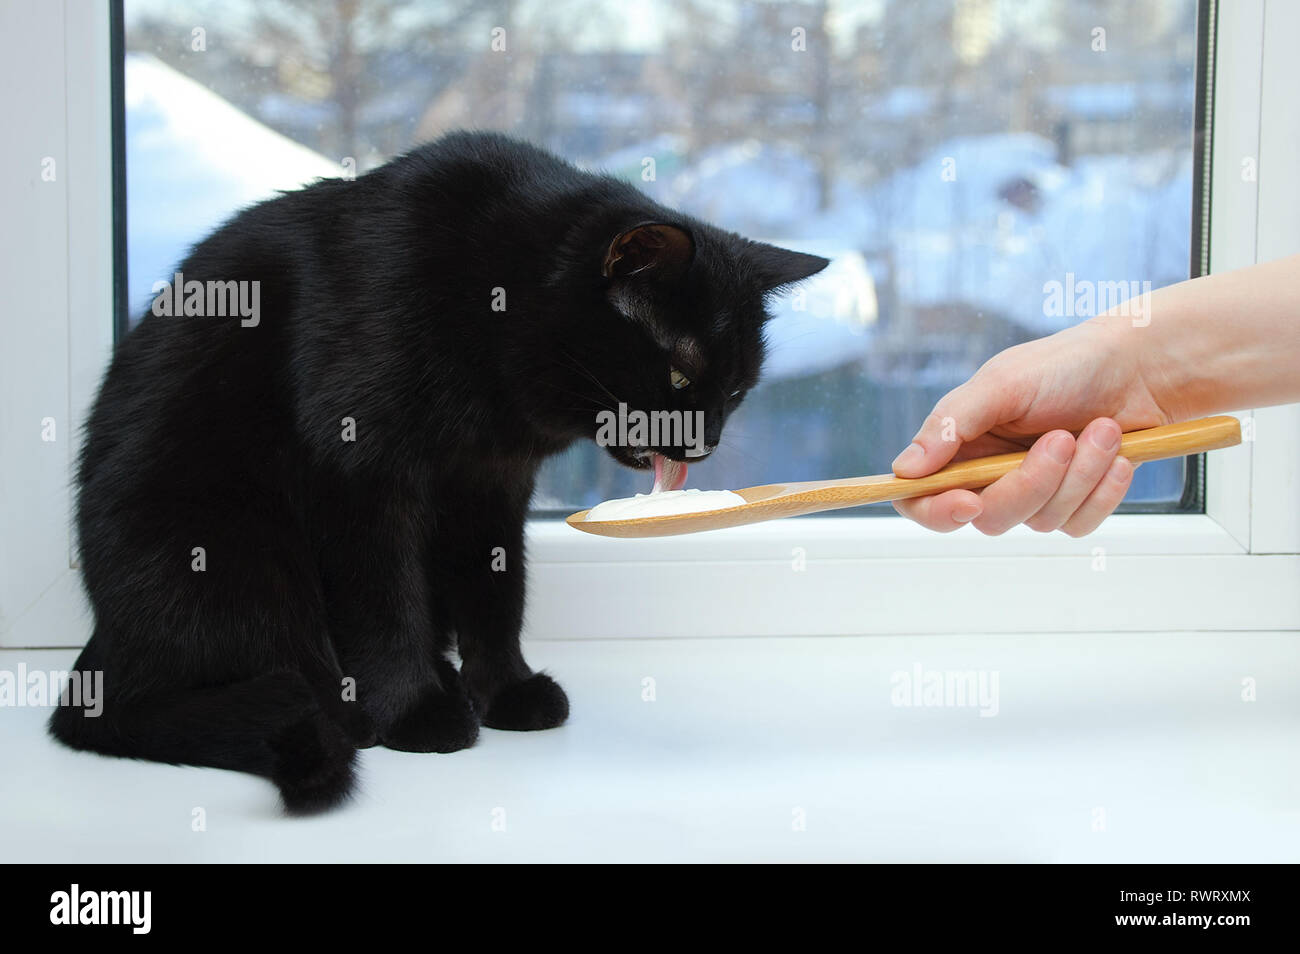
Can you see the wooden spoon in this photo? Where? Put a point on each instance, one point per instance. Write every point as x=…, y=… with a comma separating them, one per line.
x=772, y=501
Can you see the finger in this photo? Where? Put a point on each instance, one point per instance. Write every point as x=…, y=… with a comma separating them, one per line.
x=1022, y=493
x=1093, y=453
x=943, y=512
x=961, y=415
x=1102, y=502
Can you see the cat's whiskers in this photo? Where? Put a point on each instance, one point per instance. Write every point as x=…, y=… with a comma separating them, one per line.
x=578, y=394
x=578, y=366
x=732, y=447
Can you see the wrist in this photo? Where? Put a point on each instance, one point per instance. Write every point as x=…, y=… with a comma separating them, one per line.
x=1184, y=360
x=1139, y=364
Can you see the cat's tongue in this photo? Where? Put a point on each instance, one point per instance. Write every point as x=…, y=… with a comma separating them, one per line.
x=669, y=474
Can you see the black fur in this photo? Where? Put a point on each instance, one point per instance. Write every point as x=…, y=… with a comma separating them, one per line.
x=372, y=559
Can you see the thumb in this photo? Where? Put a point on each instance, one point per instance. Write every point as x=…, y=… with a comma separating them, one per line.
x=961, y=415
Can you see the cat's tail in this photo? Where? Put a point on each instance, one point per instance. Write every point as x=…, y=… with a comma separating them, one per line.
x=270, y=726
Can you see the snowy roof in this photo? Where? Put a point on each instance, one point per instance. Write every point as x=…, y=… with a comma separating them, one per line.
x=193, y=160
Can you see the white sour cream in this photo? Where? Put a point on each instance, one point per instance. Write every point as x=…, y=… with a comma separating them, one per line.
x=666, y=503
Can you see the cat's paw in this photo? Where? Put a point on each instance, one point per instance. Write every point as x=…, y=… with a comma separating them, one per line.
x=537, y=702
x=443, y=720
x=354, y=721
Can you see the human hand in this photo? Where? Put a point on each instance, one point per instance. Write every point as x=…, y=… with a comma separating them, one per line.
x=1037, y=395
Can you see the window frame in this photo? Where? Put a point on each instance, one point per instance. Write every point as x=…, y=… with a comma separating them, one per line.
x=1233, y=567
x=59, y=274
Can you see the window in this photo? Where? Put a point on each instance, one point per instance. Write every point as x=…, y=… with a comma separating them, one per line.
x=1233, y=566
x=980, y=172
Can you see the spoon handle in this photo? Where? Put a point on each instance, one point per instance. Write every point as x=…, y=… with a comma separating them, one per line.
x=1155, y=443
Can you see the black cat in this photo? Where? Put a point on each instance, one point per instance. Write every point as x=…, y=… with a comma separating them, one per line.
x=289, y=516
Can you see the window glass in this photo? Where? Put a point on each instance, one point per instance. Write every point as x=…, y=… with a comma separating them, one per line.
x=981, y=172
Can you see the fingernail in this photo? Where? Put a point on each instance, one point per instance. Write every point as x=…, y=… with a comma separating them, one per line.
x=1105, y=439
x=965, y=513
x=912, y=455
x=1061, y=448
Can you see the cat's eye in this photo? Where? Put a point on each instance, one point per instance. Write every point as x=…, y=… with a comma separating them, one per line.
x=679, y=380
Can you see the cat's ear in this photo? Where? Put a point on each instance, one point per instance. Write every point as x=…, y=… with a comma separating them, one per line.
x=652, y=250
x=780, y=266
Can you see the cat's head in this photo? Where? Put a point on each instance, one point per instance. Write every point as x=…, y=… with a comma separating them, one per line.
x=664, y=335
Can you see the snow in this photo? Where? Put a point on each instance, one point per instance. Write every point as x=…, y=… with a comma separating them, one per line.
x=825, y=323
x=950, y=232
x=194, y=160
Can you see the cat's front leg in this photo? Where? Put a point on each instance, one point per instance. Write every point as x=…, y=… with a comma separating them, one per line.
x=390, y=646
x=477, y=572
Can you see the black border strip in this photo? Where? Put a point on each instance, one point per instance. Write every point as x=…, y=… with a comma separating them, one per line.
x=1207, y=23
x=1207, y=26
x=117, y=93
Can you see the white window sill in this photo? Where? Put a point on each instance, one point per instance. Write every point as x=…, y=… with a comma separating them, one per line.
x=1146, y=735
